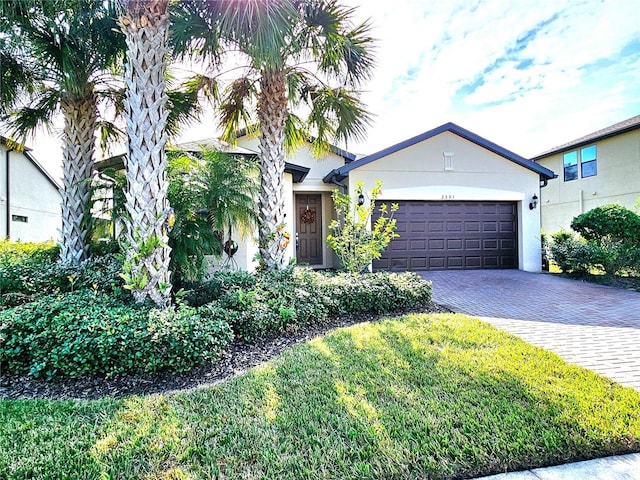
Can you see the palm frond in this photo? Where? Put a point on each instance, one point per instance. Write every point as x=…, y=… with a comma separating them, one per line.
x=235, y=108
x=109, y=134
x=26, y=120
x=338, y=113
x=184, y=109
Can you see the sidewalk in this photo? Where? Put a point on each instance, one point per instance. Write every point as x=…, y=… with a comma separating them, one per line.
x=622, y=467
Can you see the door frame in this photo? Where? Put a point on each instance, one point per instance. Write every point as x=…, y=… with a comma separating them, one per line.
x=322, y=198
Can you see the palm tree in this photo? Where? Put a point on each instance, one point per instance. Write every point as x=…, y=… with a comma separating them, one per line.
x=211, y=192
x=294, y=53
x=145, y=24
x=56, y=56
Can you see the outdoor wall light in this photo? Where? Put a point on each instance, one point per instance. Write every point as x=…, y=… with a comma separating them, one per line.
x=360, y=199
x=534, y=202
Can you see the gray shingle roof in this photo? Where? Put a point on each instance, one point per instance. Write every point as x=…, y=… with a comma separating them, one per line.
x=627, y=125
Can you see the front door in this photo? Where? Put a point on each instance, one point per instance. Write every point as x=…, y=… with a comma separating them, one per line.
x=309, y=229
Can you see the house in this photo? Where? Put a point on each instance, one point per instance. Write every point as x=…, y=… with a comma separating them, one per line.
x=596, y=169
x=464, y=202
x=29, y=197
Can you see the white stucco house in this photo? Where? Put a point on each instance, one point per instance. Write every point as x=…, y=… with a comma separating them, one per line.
x=464, y=202
x=29, y=197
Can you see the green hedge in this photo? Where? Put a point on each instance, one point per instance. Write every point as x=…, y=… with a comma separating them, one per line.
x=89, y=333
x=267, y=304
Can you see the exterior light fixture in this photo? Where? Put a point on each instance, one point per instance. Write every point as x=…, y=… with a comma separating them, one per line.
x=360, y=199
x=534, y=202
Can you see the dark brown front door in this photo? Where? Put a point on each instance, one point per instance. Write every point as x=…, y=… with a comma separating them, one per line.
x=309, y=231
x=452, y=236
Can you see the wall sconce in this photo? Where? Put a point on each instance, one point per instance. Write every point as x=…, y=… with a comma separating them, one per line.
x=360, y=200
x=534, y=202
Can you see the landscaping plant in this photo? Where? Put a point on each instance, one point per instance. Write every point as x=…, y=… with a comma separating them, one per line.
x=354, y=240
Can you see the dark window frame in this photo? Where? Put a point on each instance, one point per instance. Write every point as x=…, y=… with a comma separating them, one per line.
x=570, y=169
x=591, y=164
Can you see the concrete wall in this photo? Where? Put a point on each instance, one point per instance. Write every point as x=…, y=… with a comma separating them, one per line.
x=31, y=196
x=419, y=172
x=617, y=181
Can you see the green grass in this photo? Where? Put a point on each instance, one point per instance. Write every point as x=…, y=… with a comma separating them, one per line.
x=423, y=396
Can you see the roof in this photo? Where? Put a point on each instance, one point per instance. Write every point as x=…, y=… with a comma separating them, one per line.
x=619, y=128
x=298, y=172
x=11, y=145
x=347, y=156
x=341, y=173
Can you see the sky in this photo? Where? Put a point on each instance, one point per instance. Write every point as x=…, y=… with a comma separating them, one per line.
x=525, y=74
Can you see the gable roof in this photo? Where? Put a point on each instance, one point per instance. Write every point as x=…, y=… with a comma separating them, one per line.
x=347, y=156
x=298, y=172
x=619, y=128
x=341, y=173
x=10, y=145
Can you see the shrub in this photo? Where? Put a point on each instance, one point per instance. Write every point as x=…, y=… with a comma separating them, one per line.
x=89, y=333
x=571, y=254
x=18, y=252
x=613, y=223
x=198, y=294
x=295, y=296
x=36, y=277
x=354, y=241
x=614, y=257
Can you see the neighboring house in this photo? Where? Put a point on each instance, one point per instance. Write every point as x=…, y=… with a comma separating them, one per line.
x=464, y=202
x=597, y=169
x=29, y=197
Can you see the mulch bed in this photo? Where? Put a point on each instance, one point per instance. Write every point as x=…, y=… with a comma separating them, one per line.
x=627, y=283
x=239, y=358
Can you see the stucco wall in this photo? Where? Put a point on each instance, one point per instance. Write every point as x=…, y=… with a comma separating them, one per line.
x=418, y=173
x=617, y=181
x=32, y=196
x=313, y=183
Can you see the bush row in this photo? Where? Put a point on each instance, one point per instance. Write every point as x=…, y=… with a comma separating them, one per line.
x=266, y=304
x=90, y=332
x=26, y=276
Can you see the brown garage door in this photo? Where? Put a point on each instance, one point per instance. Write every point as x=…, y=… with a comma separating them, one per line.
x=452, y=235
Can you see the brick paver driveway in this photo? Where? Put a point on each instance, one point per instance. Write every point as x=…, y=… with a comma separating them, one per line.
x=590, y=325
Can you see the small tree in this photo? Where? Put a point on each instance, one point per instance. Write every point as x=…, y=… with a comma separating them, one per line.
x=351, y=239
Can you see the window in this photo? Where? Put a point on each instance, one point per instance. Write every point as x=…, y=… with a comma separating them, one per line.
x=588, y=162
x=570, y=166
x=19, y=218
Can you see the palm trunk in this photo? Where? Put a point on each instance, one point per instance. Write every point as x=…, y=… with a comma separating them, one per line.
x=146, y=28
x=79, y=144
x=272, y=115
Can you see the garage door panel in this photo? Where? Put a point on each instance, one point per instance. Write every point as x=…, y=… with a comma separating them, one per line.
x=454, y=244
x=452, y=235
x=436, y=244
x=472, y=244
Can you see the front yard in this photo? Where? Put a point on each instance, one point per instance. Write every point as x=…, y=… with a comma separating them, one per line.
x=420, y=396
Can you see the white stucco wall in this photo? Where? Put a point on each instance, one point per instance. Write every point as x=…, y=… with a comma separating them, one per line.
x=418, y=173
x=313, y=183
x=31, y=195
x=617, y=181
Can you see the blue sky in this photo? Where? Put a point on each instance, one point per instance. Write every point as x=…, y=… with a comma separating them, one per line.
x=525, y=74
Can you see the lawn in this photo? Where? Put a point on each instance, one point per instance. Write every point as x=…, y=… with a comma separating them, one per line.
x=421, y=396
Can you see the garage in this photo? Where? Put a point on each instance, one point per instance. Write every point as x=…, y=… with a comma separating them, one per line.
x=452, y=235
